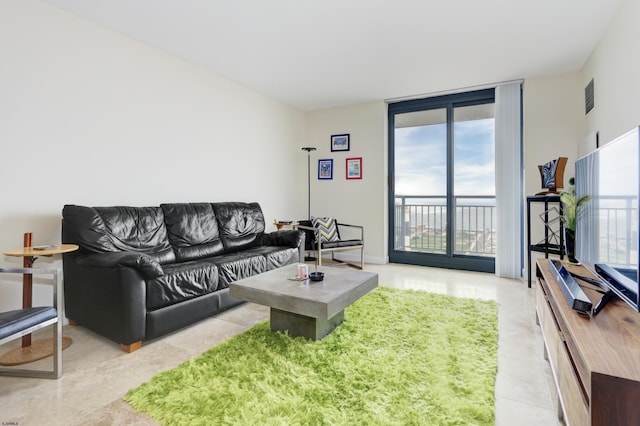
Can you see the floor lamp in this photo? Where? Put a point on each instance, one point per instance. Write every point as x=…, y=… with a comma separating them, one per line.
x=309, y=149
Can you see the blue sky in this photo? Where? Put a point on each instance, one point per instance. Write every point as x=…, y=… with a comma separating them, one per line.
x=420, y=159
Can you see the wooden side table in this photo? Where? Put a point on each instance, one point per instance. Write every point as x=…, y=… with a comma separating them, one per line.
x=39, y=349
x=288, y=224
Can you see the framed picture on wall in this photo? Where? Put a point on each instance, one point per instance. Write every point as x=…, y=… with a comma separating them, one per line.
x=354, y=168
x=325, y=169
x=340, y=142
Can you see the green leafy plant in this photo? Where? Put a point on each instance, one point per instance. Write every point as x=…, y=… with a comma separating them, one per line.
x=571, y=205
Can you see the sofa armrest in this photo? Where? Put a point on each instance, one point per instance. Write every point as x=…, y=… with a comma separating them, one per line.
x=109, y=299
x=284, y=238
x=147, y=266
x=314, y=233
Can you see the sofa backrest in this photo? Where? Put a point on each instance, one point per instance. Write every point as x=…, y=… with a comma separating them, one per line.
x=181, y=231
x=115, y=229
x=193, y=230
x=241, y=225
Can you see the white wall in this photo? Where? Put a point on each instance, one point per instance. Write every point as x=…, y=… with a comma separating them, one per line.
x=553, y=109
x=615, y=67
x=553, y=124
x=91, y=117
x=361, y=202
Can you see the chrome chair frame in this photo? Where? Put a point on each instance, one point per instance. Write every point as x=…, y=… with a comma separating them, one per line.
x=319, y=249
x=56, y=371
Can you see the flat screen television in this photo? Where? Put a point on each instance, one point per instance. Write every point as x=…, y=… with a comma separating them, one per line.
x=607, y=240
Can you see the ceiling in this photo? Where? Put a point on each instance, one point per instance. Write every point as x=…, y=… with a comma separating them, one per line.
x=327, y=53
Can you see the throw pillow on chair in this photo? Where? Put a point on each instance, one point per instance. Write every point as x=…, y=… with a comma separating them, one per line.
x=327, y=227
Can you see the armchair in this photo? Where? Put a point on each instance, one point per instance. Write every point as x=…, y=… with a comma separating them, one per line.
x=322, y=234
x=20, y=322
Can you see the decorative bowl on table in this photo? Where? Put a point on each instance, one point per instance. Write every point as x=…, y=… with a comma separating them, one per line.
x=316, y=276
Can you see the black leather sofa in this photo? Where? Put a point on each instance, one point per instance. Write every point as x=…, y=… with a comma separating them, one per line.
x=142, y=272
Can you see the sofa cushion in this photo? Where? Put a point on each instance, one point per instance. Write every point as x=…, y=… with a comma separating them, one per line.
x=275, y=256
x=241, y=224
x=181, y=281
x=83, y=226
x=236, y=266
x=193, y=230
x=118, y=229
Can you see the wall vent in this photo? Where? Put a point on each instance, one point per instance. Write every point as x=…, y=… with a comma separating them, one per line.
x=588, y=97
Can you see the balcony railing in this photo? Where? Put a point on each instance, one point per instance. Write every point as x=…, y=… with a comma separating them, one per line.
x=618, y=223
x=421, y=225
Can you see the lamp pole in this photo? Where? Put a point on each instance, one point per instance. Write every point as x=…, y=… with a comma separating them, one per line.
x=308, y=149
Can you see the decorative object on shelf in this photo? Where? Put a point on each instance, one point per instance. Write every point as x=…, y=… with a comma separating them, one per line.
x=551, y=219
x=354, y=168
x=552, y=175
x=325, y=170
x=308, y=149
x=340, y=142
x=571, y=209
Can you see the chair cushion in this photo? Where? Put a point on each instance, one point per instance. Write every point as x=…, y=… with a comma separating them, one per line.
x=328, y=228
x=342, y=243
x=20, y=319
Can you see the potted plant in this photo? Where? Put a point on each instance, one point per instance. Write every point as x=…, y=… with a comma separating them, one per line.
x=570, y=210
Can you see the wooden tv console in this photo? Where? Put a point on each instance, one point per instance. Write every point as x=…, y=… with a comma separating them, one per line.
x=595, y=361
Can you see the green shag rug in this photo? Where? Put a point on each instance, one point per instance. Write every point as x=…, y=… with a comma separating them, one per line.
x=401, y=357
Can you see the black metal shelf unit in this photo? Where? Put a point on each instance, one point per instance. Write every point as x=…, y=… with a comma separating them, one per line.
x=553, y=242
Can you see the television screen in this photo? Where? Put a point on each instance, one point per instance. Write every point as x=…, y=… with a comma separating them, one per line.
x=607, y=226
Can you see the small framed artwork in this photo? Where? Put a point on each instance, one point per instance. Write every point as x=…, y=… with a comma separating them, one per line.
x=340, y=142
x=354, y=168
x=325, y=169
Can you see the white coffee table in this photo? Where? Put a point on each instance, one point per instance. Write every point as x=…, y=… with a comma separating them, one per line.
x=305, y=308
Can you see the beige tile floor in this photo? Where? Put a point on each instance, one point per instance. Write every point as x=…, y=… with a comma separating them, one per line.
x=96, y=373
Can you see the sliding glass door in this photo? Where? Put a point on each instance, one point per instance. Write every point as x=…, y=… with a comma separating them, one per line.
x=442, y=181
